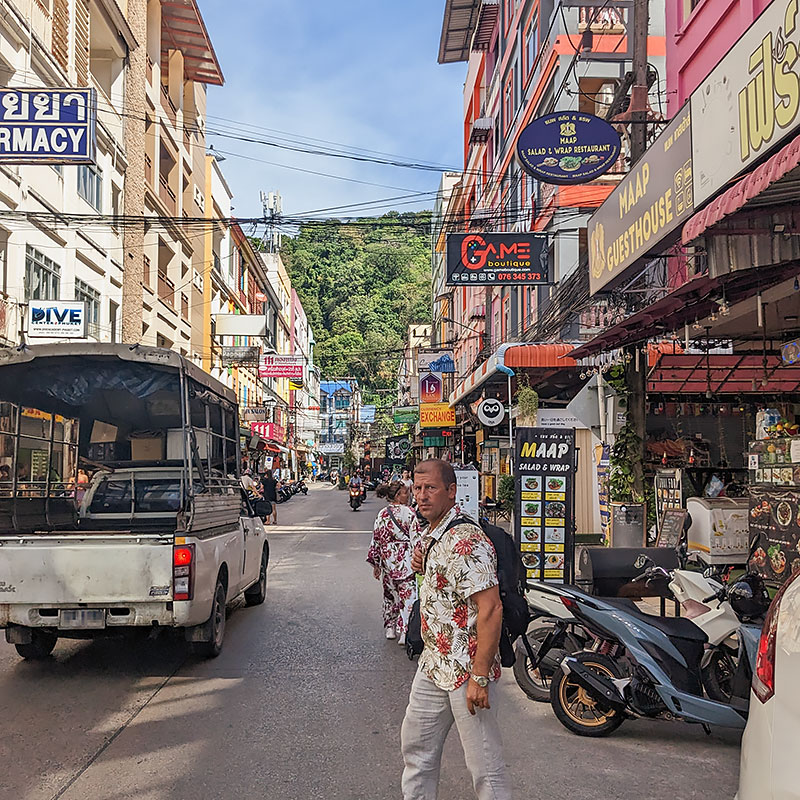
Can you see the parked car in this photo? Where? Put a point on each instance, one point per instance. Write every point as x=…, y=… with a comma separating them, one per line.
x=769, y=745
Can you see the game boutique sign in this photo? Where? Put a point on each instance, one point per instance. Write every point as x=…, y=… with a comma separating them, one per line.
x=497, y=259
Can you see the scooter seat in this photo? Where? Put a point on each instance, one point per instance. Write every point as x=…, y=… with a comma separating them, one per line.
x=678, y=627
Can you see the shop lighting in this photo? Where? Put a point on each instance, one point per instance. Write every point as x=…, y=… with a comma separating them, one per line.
x=796, y=284
x=779, y=227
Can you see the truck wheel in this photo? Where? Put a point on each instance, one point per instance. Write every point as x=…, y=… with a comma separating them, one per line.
x=257, y=593
x=215, y=625
x=40, y=646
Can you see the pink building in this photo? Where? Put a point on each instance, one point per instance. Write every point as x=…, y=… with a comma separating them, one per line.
x=699, y=34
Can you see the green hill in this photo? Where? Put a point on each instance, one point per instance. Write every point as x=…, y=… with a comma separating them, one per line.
x=361, y=284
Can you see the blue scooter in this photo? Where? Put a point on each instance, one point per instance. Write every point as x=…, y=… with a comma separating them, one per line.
x=641, y=665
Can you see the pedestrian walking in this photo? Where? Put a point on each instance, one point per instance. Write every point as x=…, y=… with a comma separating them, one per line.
x=461, y=620
x=390, y=556
x=269, y=491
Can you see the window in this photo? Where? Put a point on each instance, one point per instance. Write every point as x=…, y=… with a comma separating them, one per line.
x=42, y=276
x=531, y=41
x=113, y=314
x=90, y=296
x=508, y=103
x=90, y=185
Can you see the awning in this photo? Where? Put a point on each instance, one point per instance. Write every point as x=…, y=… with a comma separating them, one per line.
x=460, y=20
x=720, y=374
x=773, y=183
x=548, y=358
x=182, y=28
x=276, y=448
x=695, y=300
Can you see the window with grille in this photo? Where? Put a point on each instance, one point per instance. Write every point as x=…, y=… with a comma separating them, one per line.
x=42, y=276
x=90, y=185
x=90, y=296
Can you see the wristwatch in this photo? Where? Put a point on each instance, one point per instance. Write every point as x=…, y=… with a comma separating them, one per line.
x=481, y=680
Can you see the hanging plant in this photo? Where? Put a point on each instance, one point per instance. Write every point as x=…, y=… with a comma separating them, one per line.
x=626, y=453
x=527, y=402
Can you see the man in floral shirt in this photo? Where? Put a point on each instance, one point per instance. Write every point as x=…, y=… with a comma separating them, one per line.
x=461, y=622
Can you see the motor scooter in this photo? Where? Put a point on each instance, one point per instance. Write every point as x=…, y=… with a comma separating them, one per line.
x=356, y=498
x=641, y=665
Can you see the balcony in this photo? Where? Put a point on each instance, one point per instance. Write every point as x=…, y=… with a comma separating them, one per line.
x=168, y=105
x=601, y=19
x=166, y=290
x=168, y=196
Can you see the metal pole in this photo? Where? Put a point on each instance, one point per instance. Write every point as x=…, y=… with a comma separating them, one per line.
x=510, y=426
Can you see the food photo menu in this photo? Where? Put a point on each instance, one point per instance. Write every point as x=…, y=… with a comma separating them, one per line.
x=544, y=469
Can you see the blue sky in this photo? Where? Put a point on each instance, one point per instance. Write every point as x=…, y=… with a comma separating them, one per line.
x=357, y=72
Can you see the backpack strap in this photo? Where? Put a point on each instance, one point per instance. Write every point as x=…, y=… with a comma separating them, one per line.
x=397, y=523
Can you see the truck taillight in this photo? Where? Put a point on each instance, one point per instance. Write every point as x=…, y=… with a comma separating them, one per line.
x=182, y=572
x=764, y=677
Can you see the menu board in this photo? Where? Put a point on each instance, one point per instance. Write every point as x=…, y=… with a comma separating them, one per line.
x=774, y=532
x=544, y=472
x=668, y=491
x=669, y=534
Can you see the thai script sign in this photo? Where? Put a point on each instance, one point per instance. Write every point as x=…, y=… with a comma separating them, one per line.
x=436, y=415
x=497, y=259
x=750, y=101
x=48, y=125
x=281, y=367
x=647, y=207
x=568, y=147
x=240, y=356
x=57, y=319
x=331, y=448
x=269, y=430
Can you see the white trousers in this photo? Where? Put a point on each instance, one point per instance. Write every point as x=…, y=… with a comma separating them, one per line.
x=430, y=715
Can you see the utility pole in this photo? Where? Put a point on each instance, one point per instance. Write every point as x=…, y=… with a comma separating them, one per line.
x=636, y=370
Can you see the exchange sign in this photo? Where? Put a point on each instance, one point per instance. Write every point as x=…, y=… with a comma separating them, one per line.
x=497, y=259
x=48, y=126
x=568, y=147
x=436, y=415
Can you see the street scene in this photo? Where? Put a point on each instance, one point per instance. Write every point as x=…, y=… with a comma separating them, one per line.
x=305, y=701
x=399, y=400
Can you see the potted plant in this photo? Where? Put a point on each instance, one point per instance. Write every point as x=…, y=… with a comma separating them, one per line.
x=526, y=399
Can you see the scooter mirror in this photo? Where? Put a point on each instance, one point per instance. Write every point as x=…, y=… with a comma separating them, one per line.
x=709, y=572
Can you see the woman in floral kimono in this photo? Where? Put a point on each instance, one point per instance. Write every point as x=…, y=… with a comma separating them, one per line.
x=390, y=556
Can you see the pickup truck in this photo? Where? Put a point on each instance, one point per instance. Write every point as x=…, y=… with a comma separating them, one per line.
x=160, y=537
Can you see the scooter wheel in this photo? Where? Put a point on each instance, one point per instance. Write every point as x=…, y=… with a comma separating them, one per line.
x=576, y=709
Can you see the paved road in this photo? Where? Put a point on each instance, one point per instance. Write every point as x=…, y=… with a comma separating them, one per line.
x=304, y=703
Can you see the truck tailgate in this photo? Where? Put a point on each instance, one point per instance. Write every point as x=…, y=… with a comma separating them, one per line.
x=104, y=568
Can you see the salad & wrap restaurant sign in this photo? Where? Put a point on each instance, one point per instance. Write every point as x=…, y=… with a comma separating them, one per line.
x=544, y=472
x=497, y=259
x=774, y=533
x=647, y=207
x=568, y=147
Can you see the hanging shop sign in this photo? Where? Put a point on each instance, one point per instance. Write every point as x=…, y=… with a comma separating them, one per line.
x=568, y=147
x=240, y=356
x=405, y=415
x=491, y=412
x=366, y=415
x=269, y=431
x=51, y=126
x=431, y=387
x=750, y=102
x=281, y=367
x=331, y=448
x=436, y=415
x=645, y=212
x=397, y=449
x=497, y=259
x=440, y=361
x=257, y=413
x=57, y=319
x=544, y=475
x=790, y=352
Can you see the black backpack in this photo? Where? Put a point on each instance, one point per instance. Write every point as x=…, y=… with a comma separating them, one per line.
x=511, y=577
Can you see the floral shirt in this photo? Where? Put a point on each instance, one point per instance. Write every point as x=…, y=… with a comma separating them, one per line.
x=390, y=548
x=460, y=563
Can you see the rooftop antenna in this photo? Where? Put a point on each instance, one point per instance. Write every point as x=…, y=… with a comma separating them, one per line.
x=272, y=203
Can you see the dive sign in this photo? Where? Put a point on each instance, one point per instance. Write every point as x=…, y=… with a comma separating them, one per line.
x=568, y=147
x=57, y=319
x=497, y=259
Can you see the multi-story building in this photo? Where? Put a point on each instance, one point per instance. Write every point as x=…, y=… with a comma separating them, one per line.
x=417, y=338
x=340, y=402
x=50, y=259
